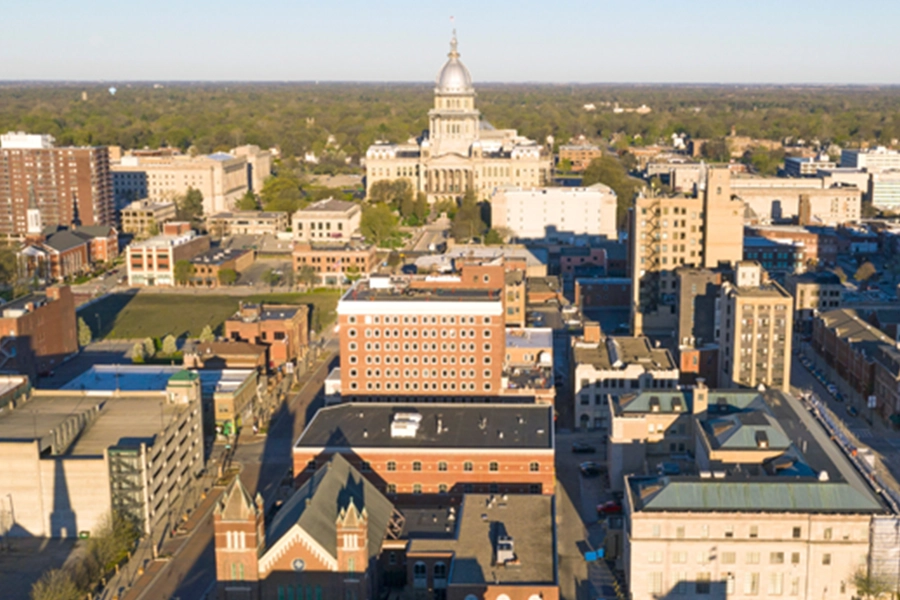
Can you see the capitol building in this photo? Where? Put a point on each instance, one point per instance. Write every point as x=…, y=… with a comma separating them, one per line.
x=460, y=151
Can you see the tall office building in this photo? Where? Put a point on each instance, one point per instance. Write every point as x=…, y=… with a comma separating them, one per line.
x=671, y=232
x=755, y=320
x=65, y=185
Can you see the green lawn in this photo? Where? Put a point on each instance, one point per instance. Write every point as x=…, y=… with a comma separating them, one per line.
x=134, y=316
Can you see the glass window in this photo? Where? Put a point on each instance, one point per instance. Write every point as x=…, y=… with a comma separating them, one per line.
x=417, y=466
x=494, y=467
x=467, y=466
x=391, y=465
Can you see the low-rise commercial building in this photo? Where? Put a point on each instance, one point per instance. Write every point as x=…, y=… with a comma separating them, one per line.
x=247, y=222
x=556, y=213
x=779, y=198
x=144, y=218
x=579, y=155
x=871, y=159
x=776, y=256
x=819, y=244
x=528, y=366
x=38, y=332
x=152, y=262
x=326, y=220
x=604, y=366
x=208, y=267
x=282, y=328
x=335, y=264
x=72, y=456
x=813, y=292
x=804, y=166
x=411, y=451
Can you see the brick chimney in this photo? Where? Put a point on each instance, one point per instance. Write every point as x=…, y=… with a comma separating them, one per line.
x=592, y=332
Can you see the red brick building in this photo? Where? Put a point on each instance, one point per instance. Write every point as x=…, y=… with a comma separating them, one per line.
x=411, y=451
x=338, y=537
x=283, y=328
x=37, y=332
x=333, y=263
x=415, y=337
x=67, y=184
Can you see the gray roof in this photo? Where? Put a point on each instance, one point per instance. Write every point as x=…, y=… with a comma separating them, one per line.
x=315, y=507
x=527, y=518
x=620, y=351
x=532, y=337
x=93, y=231
x=774, y=495
x=502, y=426
x=330, y=205
x=668, y=401
x=64, y=240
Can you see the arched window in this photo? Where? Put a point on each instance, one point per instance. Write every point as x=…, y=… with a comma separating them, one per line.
x=494, y=467
x=442, y=466
x=440, y=570
x=420, y=570
x=467, y=466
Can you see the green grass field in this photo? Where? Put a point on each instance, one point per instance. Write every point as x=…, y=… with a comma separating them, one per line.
x=137, y=316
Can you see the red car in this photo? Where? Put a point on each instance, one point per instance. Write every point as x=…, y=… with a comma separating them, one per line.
x=609, y=508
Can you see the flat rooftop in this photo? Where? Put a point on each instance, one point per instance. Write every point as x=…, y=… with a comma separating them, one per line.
x=329, y=205
x=810, y=473
x=526, y=518
x=619, y=352
x=402, y=289
x=137, y=378
x=372, y=425
x=534, y=337
x=218, y=256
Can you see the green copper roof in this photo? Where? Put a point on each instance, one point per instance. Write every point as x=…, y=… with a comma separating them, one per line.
x=184, y=375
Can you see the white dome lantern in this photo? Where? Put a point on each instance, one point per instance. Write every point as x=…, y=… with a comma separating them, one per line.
x=454, y=77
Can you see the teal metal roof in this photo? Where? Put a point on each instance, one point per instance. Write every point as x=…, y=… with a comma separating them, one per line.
x=667, y=400
x=775, y=495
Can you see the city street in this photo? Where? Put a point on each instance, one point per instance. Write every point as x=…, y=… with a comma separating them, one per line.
x=431, y=234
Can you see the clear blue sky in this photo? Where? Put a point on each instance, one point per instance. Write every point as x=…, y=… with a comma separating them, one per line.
x=788, y=41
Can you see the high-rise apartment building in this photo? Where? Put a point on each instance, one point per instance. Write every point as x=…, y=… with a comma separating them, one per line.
x=672, y=232
x=407, y=338
x=66, y=185
x=755, y=321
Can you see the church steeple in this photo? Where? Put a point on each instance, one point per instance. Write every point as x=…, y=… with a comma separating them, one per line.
x=76, y=220
x=34, y=223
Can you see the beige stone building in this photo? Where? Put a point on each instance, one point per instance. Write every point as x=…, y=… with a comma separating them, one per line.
x=152, y=261
x=327, y=220
x=755, y=320
x=259, y=165
x=143, y=218
x=773, y=198
x=814, y=292
x=672, y=232
x=460, y=151
x=761, y=513
x=221, y=178
x=246, y=222
x=605, y=366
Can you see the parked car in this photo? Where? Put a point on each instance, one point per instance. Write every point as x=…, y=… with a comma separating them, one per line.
x=851, y=410
x=609, y=508
x=583, y=448
x=832, y=389
x=839, y=397
x=590, y=468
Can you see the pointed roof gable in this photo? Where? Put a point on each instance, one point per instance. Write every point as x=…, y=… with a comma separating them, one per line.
x=236, y=503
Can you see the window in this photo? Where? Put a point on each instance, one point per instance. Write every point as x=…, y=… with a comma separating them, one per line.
x=729, y=531
x=795, y=558
x=751, y=584
x=656, y=583
x=534, y=467
x=494, y=467
x=754, y=531
x=679, y=557
x=796, y=533
x=655, y=557
x=826, y=559
x=753, y=558
x=442, y=488
x=467, y=466
x=827, y=534
x=656, y=531
x=417, y=466
x=442, y=466
x=795, y=586
x=440, y=571
x=391, y=465
x=776, y=558
x=391, y=488
x=728, y=558
x=417, y=488
x=365, y=467
x=679, y=532
x=776, y=584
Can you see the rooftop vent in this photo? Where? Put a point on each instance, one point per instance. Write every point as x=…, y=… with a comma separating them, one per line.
x=505, y=551
x=677, y=405
x=762, y=439
x=654, y=404
x=405, y=425
x=823, y=476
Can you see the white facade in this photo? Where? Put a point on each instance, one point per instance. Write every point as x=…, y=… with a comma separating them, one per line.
x=19, y=140
x=555, y=212
x=874, y=159
x=884, y=190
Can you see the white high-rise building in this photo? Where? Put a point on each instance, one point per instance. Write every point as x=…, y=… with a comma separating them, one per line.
x=555, y=212
x=872, y=159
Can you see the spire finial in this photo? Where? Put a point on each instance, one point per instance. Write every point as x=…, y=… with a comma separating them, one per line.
x=454, y=53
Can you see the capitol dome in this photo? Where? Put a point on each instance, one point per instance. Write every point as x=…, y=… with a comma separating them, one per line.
x=454, y=77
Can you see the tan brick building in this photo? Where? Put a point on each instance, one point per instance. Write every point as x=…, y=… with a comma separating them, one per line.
x=667, y=233
x=327, y=220
x=143, y=218
x=66, y=184
x=756, y=324
x=283, y=328
x=412, y=451
x=208, y=265
x=579, y=156
x=247, y=222
x=152, y=262
x=334, y=263
x=38, y=332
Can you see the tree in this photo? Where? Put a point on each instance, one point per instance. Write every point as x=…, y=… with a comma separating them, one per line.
x=467, y=223
x=421, y=209
x=378, y=224
x=869, y=585
x=271, y=278
x=307, y=276
x=84, y=333
x=138, y=353
x=865, y=272
x=281, y=193
x=716, y=150
x=190, y=206
x=609, y=171
x=247, y=202
x=493, y=238
x=227, y=276
x=169, y=345
x=112, y=539
x=149, y=347
x=9, y=267
x=353, y=273
x=840, y=273
x=184, y=271
x=207, y=334
x=56, y=584
x=564, y=166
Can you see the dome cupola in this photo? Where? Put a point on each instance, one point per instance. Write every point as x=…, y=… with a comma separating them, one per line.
x=454, y=77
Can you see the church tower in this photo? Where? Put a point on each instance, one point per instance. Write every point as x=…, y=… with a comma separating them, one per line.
x=454, y=121
x=352, y=528
x=239, y=525
x=33, y=215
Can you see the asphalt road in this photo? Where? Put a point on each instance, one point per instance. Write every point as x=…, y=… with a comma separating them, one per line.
x=263, y=462
x=431, y=234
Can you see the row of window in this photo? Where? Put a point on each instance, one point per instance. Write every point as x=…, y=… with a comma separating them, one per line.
x=704, y=557
x=753, y=532
x=702, y=585
x=468, y=488
x=414, y=386
x=376, y=359
x=414, y=347
x=445, y=373
x=414, y=333
x=442, y=466
x=414, y=320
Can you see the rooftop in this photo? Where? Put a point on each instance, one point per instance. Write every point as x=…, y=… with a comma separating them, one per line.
x=534, y=337
x=621, y=352
x=219, y=256
x=329, y=205
x=649, y=401
x=163, y=241
x=526, y=518
x=133, y=378
x=398, y=425
x=398, y=288
x=249, y=214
